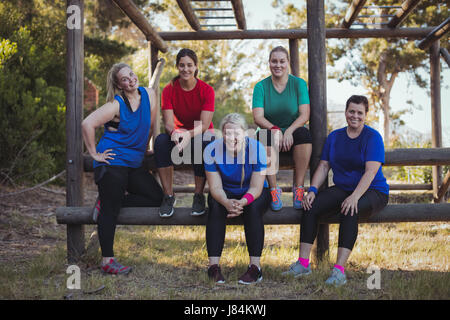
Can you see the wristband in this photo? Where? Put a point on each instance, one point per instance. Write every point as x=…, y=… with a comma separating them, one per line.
x=313, y=189
x=249, y=198
x=275, y=128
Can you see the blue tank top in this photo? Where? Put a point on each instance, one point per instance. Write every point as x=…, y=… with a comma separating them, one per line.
x=129, y=142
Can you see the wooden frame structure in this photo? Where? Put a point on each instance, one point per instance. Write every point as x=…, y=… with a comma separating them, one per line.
x=75, y=216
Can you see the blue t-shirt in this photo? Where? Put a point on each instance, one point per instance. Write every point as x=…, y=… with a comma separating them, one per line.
x=129, y=142
x=216, y=159
x=348, y=157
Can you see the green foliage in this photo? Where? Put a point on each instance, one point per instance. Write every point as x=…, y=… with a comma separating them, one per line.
x=32, y=114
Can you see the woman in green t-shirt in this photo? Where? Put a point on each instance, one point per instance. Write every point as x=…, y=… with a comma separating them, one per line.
x=281, y=106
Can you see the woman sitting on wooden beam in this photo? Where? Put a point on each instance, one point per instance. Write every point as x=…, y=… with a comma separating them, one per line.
x=281, y=110
x=235, y=169
x=187, y=105
x=128, y=117
x=355, y=154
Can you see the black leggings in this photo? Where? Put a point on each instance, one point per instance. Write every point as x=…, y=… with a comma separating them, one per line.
x=301, y=135
x=163, y=150
x=113, y=182
x=253, y=224
x=328, y=202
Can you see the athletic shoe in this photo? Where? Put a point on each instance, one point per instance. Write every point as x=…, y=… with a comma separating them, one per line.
x=253, y=275
x=298, y=193
x=198, y=204
x=113, y=267
x=276, y=203
x=96, y=210
x=337, y=278
x=297, y=270
x=215, y=274
x=166, y=209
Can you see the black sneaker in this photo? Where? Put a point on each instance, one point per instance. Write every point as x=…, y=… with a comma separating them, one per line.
x=198, y=204
x=215, y=274
x=166, y=208
x=253, y=275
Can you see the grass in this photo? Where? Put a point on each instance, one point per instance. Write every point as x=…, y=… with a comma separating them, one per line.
x=170, y=262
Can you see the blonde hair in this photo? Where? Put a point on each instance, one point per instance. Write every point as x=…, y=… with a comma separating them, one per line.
x=237, y=119
x=111, y=81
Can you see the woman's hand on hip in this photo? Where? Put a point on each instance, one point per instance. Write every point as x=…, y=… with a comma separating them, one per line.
x=104, y=156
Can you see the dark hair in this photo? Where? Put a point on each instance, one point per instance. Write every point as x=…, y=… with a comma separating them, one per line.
x=186, y=53
x=358, y=100
x=281, y=49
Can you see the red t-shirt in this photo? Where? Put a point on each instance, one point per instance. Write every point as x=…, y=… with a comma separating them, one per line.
x=187, y=105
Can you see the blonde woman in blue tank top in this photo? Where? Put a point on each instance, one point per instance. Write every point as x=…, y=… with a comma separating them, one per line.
x=128, y=117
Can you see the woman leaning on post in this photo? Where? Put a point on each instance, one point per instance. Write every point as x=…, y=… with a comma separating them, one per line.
x=128, y=117
x=355, y=154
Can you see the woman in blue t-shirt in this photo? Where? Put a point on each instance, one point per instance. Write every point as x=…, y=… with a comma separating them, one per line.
x=235, y=169
x=128, y=117
x=355, y=155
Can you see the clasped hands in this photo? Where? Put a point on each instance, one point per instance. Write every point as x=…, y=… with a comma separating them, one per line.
x=235, y=207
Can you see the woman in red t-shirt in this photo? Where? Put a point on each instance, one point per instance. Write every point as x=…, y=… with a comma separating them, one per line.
x=187, y=105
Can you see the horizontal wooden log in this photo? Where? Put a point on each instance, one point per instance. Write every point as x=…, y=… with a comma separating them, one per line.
x=340, y=33
x=397, y=157
x=288, y=215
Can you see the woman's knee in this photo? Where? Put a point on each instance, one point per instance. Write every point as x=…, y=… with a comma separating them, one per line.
x=301, y=135
x=162, y=141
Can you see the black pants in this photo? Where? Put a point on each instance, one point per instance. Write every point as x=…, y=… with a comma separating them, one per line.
x=253, y=224
x=328, y=202
x=301, y=135
x=113, y=182
x=163, y=150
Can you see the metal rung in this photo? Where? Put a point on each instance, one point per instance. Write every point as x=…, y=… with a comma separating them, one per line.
x=217, y=25
x=376, y=16
x=215, y=17
x=382, y=7
x=213, y=9
x=370, y=24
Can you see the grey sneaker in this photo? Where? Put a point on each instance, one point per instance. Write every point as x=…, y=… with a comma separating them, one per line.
x=297, y=270
x=337, y=278
x=166, y=209
x=198, y=205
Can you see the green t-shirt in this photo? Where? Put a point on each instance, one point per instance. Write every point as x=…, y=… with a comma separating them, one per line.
x=281, y=109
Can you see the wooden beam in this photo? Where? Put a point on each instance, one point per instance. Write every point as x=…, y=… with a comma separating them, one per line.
x=239, y=13
x=445, y=55
x=135, y=15
x=74, y=117
x=436, y=123
x=444, y=187
x=392, y=213
x=294, y=57
x=435, y=34
x=403, y=12
x=339, y=33
x=396, y=158
x=352, y=13
x=189, y=13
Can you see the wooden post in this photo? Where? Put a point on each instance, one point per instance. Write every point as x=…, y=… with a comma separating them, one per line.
x=152, y=65
x=436, y=125
x=293, y=53
x=74, y=116
x=317, y=77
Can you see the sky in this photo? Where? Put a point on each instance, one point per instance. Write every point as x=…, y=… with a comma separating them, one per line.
x=261, y=15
